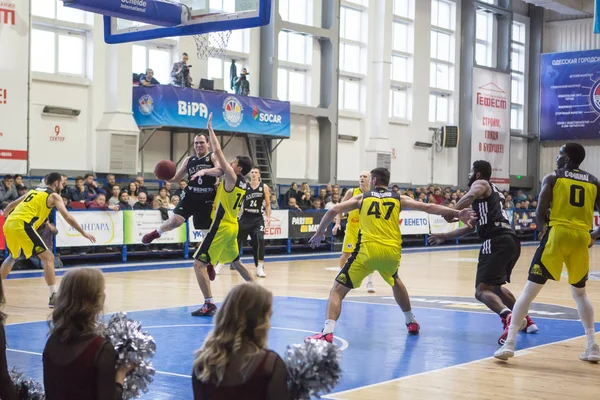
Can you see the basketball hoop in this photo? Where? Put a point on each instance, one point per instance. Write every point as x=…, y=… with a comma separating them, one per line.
x=212, y=44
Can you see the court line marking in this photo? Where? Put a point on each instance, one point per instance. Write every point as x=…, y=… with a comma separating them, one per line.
x=344, y=342
x=157, y=265
x=335, y=396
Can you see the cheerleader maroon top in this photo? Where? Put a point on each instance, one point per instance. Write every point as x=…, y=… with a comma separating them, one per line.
x=83, y=369
x=268, y=381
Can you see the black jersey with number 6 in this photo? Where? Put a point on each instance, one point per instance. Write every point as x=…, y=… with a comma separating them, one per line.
x=253, y=202
x=205, y=184
x=492, y=218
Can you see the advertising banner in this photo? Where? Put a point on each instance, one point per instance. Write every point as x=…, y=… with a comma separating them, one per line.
x=139, y=222
x=414, y=223
x=570, y=96
x=524, y=220
x=491, y=123
x=437, y=224
x=304, y=224
x=106, y=226
x=278, y=228
x=14, y=84
x=171, y=106
x=194, y=235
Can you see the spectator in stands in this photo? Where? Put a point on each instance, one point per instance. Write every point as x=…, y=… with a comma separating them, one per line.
x=303, y=197
x=329, y=191
x=430, y=189
x=79, y=192
x=92, y=187
x=335, y=198
x=520, y=196
x=431, y=199
x=124, y=201
x=234, y=361
x=140, y=183
x=408, y=193
x=163, y=197
x=79, y=363
x=418, y=193
x=133, y=191
x=182, y=186
x=114, y=195
x=180, y=73
x=422, y=197
x=110, y=182
x=21, y=190
x=66, y=202
x=18, y=180
x=274, y=202
x=8, y=191
x=174, y=202
x=292, y=192
x=148, y=79
x=315, y=204
x=533, y=205
x=509, y=202
x=292, y=205
x=167, y=186
x=323, y=197
x=99, y=203
x=437, y=195
x=396, y=189
x=142, y=203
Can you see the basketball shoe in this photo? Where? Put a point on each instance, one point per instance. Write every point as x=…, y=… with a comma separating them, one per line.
x=328, y=337
x=207, y=310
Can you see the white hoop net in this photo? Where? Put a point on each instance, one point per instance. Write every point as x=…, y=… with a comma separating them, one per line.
x=212, y=44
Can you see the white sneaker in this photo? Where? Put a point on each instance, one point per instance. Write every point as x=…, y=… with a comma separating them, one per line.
x=218, y=268
x=370, y=287
x=260, y=272
x=506, y=351
x=591, y=354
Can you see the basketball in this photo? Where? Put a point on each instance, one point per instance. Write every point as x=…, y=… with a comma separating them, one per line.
x=165, y=170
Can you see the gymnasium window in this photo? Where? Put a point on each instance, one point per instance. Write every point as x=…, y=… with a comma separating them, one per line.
x=401, y=71
x=294, y=48
x=349, y=94
x=484, y=44
x=442, y=52
x=292, y=85
x=517, y=64
x=219, y=68
x=157, y=57
x=296, y=11
x=59, y=38
x=353, y=48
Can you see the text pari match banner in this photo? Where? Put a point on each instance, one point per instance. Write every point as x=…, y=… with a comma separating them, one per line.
x=490, y=138
x=570, y=96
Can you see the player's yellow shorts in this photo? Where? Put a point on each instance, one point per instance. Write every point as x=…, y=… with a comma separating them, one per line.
x=367, y=258
x=219, y=245
x=561, y=245
x=22, y=239
x=350, y=239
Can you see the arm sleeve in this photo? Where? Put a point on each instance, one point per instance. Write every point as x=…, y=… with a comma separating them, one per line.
x=278, y=388
x=7, y=389
x=107, y=387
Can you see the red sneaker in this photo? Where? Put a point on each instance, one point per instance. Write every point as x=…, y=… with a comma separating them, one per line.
x=149, y=237
x=211, y=271
x=320, y=336
x=530, y=326
x=505, y=324
x=413, y=328
x=207, y=310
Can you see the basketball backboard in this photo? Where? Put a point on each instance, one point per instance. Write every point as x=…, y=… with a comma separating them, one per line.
x=128, y=20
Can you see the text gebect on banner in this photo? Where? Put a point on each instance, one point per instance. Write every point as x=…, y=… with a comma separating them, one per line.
x=170, y=106
x=139, y=222
x=105, y=226
x=490, y=135
x=14, y=82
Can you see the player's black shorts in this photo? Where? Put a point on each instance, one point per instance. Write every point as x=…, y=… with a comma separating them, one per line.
x=497, y=258
x=251, y=225
x=197, y=205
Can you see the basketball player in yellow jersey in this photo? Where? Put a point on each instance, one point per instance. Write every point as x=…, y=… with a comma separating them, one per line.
x=570, y=195
x=351, y=235
x=25, y=216
x=378, y=247
x=220, y=243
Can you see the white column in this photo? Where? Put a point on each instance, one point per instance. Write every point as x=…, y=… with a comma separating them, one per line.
x=378, y=81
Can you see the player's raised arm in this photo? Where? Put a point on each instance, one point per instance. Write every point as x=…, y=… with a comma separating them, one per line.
x=180, y=172
x=544, y=201
x=56, y=201
x=229, y=173
x=477, y=191
x=465, y=215
x=344, y=207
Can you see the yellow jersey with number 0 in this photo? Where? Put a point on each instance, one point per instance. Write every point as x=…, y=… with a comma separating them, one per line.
x=33, y=209
x=573, y=199
x=380, y=217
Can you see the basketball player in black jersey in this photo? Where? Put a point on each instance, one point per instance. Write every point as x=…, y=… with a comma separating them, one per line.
x=252, y=221
x=198, y=197
x=500, y=250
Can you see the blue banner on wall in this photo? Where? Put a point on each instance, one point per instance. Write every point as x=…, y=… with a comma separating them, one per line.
x=570, y=96
x=171, y=106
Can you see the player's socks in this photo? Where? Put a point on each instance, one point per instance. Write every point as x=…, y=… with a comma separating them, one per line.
x=329, y=326
x=260, y=271
x=504, y=313
x=209, y=300
x=51, y=290
x=409, y=317
x=411, y=323
x=159, y=231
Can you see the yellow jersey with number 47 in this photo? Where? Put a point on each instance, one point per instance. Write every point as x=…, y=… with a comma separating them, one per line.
x=228, y=204
x=573, y=199
x=380, y=218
